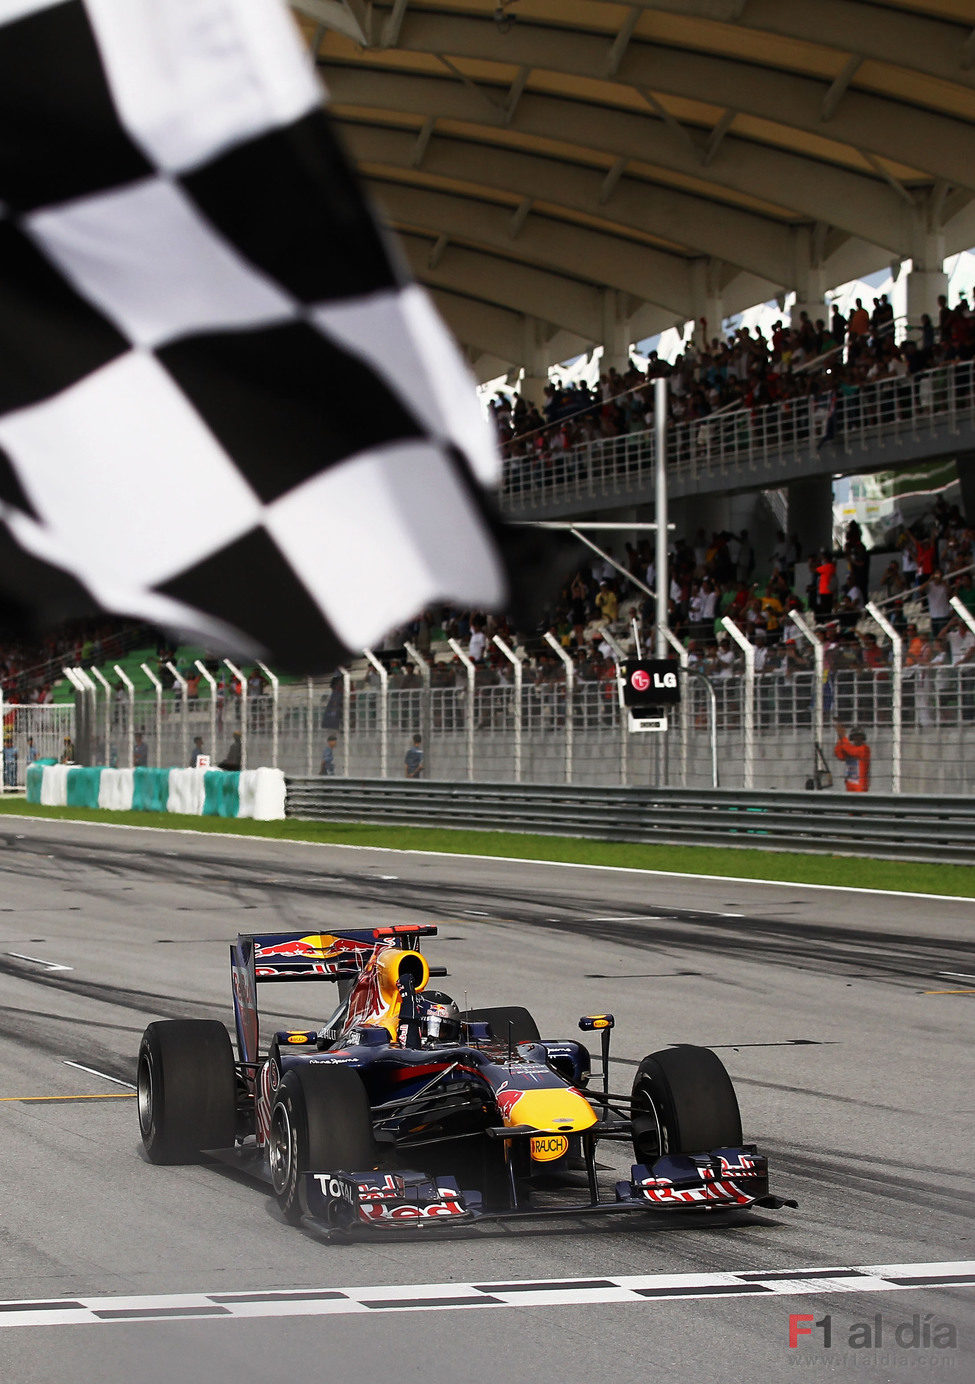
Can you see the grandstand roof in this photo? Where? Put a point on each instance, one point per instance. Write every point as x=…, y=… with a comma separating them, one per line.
x=544, y=160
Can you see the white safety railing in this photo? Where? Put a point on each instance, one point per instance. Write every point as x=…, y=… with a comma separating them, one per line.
x=836, y=424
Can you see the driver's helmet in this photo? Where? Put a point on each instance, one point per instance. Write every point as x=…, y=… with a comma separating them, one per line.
x=439, y=1017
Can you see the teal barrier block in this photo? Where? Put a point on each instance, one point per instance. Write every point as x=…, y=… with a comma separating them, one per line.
x=83, y=787
x=150, y=790
x=35, y=777
x=221, y=790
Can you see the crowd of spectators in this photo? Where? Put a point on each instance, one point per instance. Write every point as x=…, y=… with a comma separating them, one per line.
x=823, y=361
x=30, y=668
x=712, y=577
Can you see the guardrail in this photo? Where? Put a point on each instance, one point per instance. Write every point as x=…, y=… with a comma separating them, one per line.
x=885, y=826
x=881, y=423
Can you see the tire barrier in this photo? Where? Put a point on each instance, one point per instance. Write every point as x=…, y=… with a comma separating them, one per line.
x=258, y=794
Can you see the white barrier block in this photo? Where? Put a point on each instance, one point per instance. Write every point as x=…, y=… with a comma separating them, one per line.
x=186, y=791
x=115, y=790
x=262, y=794
x=54, y=785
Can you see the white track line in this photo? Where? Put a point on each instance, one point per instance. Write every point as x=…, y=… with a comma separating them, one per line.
x=93, y=1071
x=48, y=965
x=429, y=1297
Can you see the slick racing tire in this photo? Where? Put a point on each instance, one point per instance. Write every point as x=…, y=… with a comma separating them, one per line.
x=187, y=1090
x=320, y=1122
x=687, y=1090
x=523, y=1027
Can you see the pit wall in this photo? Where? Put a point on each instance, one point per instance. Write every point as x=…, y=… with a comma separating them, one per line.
x=254, y=793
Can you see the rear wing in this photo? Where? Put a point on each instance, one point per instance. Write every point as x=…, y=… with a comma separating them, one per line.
x=276, y=956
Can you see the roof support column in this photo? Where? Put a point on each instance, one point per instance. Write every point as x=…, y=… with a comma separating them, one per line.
x=537, y=359
x=616, y=332
x=810, y=276
x=707, y=302
x=927, y=279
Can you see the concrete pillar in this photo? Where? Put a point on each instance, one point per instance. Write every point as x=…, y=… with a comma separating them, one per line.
x=536, y=360
x=966, y=477
x=707, y=302
x=616, y=332
x=927, y=279
x=809, y=275
x=811, y=513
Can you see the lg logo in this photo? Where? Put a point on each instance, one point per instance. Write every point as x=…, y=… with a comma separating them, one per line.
x=641, y=680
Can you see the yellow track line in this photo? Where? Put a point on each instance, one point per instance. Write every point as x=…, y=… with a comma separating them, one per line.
x=127, y=1095
x=948, y=992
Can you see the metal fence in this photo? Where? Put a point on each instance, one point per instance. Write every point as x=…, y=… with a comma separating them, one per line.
x=920, y=726
x=828, y=427
x=33, y=732
x=884, y=826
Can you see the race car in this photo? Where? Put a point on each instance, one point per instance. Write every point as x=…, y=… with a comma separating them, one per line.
x=401, y=1111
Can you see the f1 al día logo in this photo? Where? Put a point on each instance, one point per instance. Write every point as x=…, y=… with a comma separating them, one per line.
x=921, y=1332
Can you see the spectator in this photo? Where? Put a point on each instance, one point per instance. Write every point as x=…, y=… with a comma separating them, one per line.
x=939, y=597
x=232, y=759
x=197, y=753
x=413, y=759
x=328, y=757
x=140, y=752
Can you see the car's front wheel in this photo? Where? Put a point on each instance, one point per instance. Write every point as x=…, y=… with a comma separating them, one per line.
x=320, y=1122
x=683, y=1102
x=187, y=1089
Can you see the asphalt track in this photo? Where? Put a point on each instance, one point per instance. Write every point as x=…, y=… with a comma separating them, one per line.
x=844, y=1018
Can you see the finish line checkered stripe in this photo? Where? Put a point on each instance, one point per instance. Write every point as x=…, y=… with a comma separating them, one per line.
x=223, y=409
x=427, y=1297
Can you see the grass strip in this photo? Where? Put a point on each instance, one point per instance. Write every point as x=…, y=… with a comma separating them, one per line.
x=908, y=877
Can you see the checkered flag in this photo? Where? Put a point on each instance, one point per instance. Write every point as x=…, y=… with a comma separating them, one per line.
x=223, y=407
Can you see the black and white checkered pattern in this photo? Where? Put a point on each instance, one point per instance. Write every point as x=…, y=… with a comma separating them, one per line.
x=222, y=408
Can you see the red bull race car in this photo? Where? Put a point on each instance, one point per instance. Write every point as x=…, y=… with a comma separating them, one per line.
x=402, y=1111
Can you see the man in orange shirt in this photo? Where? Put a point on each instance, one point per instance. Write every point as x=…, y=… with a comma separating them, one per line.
x=854, y=751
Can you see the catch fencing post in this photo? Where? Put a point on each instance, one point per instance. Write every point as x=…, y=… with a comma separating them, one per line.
x=159, y=691
x=470, y=705
x=570, y=685
x=819, y=663
x=242, y=681
x=426, y=708
x=748, y=710
x=346, y=717
x=183, y=711
x=515, y=662
x=96, y=672
x=130, y=688
x=383, y=712
x=685, y=711
x=205, y=673
x=897, y=694
x=274, y=712
x=624, y=722
x=310, y=730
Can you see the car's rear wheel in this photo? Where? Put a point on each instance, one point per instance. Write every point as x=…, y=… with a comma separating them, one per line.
x=523, y=1027
x=320, y=1122
x=187, y=1089
x=683, y=1102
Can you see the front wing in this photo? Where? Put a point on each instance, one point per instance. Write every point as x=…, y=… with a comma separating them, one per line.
x=729, y=1179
